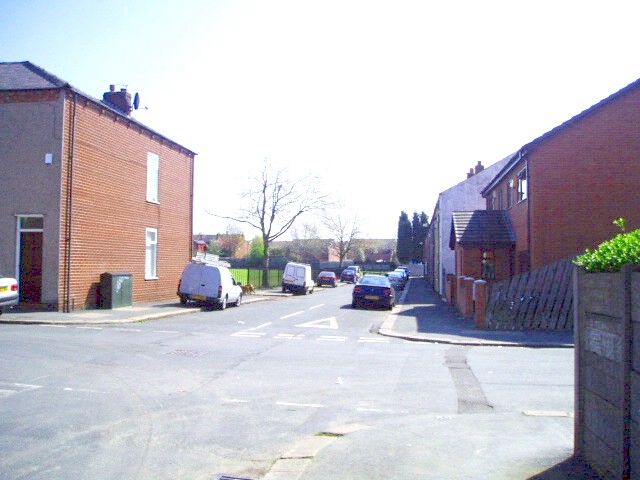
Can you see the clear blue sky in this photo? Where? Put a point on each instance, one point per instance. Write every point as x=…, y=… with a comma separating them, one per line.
x=389, y=103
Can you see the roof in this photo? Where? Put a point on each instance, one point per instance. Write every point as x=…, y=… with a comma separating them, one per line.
x=529, y=147
x=25, y=76
x=481, y=228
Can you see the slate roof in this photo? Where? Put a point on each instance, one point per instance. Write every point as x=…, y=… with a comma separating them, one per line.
x=24, y=76
x=27, y=76
x=481, y=228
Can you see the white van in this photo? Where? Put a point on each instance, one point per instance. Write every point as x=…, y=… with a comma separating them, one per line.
x=297, y=278
x=210, y=285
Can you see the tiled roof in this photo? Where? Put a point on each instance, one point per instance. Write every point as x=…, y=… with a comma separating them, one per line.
x=481, y=228
x=27, y=76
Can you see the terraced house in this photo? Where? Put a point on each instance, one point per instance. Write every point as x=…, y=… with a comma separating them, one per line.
x=559, y=193
x=87, y=189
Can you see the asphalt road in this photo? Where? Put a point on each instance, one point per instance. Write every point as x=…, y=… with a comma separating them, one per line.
x=293, y=388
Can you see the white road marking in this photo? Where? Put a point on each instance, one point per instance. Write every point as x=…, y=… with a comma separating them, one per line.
x=165, y=331
x=7, y=389
x=234, y=400
x=307, y=405
x=81, y=390
x=316, y=306
x=292, y=315
x=248, y=334
x=290, y=336
x=89, y=328
x=127, y=330
x=372, y=340
x=330, y=322
x=53, y=326
x=332, y=338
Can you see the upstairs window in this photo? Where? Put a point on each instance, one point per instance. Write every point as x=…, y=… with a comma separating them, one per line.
x=153, y=175
x=522, y=184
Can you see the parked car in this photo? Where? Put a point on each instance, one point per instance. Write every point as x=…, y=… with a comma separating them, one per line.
x=297, y=278
x=397, y=279
x=209, y=284
x=327, y=278
x=405, y=270
x=351, y=274
x=373, y=290
x=8, y=292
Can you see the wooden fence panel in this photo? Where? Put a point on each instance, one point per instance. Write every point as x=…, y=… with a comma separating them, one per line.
x=540, y=299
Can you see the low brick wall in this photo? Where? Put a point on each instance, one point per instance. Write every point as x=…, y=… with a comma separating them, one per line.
x=607, y=381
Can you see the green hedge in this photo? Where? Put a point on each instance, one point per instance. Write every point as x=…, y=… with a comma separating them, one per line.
x=611, y=255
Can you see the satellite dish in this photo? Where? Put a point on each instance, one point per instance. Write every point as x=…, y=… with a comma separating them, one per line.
x=136, y=101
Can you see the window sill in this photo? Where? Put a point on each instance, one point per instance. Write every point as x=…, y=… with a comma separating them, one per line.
x=152, y=278
x=153, y=201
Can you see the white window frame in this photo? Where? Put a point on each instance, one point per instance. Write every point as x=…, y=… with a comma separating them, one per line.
x=151, y=254
x=522, y=184
x=153, y=177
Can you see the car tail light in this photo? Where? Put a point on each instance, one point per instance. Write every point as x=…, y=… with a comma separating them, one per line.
x=387, y=292
x=357, y=289
x=14, y=287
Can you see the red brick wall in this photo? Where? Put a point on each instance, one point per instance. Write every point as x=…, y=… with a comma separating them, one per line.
x=584, y=177
x=110, y=211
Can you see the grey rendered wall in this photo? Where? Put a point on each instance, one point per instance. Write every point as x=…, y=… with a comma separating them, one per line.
x=607, y=405
x=28, y=131
x=465, y=196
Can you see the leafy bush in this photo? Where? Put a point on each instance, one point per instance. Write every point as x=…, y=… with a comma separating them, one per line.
x=611, y=255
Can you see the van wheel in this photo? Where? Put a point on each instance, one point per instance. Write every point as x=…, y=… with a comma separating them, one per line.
x=284, y=290
x=239, y=301
x=223, y=304
x=183, y=300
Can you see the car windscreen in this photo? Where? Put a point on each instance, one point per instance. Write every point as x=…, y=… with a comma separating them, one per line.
x=381, y=281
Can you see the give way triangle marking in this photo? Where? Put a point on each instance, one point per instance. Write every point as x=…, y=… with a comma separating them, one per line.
x=330, y=322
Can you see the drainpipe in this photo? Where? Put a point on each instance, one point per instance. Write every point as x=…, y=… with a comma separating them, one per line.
x=67, y=301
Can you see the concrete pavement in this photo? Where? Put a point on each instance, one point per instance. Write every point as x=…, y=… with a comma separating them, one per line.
x=422, y=316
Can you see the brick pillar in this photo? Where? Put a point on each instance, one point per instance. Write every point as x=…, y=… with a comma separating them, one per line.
x=481, y=296
x=467, y=298
x=451, y=289
x=460, y=293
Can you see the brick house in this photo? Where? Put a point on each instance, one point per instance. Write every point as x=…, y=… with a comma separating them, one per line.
x=86, y=190
x=562, y=191
x=438, y=257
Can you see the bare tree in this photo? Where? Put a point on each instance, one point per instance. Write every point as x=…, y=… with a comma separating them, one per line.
x=273, y=203
x=343, y=231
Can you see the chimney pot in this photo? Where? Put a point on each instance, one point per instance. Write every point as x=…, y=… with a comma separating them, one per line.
x=112, y=88
x=121, y=100
x=479, y=167
x=470, y=173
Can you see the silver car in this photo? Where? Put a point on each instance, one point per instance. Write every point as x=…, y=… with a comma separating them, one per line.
x=8, y=292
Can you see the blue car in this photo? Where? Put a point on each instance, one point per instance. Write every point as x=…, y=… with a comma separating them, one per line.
x=374, y=290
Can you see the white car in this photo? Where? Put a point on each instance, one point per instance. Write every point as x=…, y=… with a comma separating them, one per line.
x=8, y=292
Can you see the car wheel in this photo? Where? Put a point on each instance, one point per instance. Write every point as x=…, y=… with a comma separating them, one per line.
x=223, y=304
x=284, y=290
x=354, y=305
x=239, y=301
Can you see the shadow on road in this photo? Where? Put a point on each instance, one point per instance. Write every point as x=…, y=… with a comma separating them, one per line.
x=570, y=469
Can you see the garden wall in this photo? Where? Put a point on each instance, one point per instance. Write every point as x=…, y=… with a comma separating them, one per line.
x=607, y=388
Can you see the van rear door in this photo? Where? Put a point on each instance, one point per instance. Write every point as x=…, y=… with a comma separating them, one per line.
x=190, y=280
